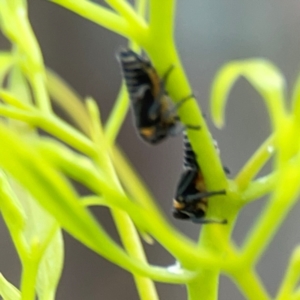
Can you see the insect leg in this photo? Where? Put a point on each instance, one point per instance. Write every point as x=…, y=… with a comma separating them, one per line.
x=153, y=111
x=197, y=196
x=207, y=221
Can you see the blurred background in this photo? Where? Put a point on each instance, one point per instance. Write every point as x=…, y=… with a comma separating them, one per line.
x=209, y=33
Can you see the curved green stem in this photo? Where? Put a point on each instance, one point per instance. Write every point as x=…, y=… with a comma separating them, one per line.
x=68, y=100
x=124, y=224
x=291, y=277
x=205, y=286
x=7, y=290
x=161, y=19
x=255, y=163
x=250, y=285
x=180, y=246
x=273, y=214
x=99, y=15
x=259, y=188
x=126, y=10
x=117, y=116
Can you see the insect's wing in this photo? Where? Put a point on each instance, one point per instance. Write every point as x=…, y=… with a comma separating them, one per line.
x=186, y=185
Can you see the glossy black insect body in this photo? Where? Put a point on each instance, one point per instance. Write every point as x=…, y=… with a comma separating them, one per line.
x=191, y=199
x=155, y=117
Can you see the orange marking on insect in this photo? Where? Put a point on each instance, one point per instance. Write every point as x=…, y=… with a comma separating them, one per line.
x=201, y=206
x=147, y=131
x=178, y=205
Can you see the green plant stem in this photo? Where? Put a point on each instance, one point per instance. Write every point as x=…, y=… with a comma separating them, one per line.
x=255, y=163
x=68, y=100
x=190, y=114
x=214, y=238
x=133, y=246
x=273, y=214
x=117, y=116
x=28, y=279
x=264, y=229
x=33, y=65
x=124, y=224
x=162, y=19
x=99, y=15
x=259, y=188
x=129, y=14
x=291, y=277
x=250, y=285
x=180, y=246
x=42, y=177
x=41, y=95
x=295, y=296
x=141, y=8
x=54, y=126
x=7, y=290
x=208, y=289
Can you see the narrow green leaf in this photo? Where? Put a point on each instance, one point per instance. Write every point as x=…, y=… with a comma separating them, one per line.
x=221, y=87
x=50, y=268
x=53, y=193
x=262, y=75
x=7, y=290
x=68, y=100
x=18, y=85
x=13, y=215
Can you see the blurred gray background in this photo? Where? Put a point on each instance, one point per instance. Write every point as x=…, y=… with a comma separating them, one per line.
x=209, y=33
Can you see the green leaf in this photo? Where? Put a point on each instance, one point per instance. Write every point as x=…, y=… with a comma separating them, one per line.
x=13, y=214
x=50, y=268
x=262, y=75
x=53, y=192
x=18, y=85
x=7, y=290
x=68, y=100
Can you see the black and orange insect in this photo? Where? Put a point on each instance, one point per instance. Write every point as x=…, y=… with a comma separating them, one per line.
x=191, y=199
x=155, y=115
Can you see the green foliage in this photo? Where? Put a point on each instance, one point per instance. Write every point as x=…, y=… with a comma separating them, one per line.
x=38, y=200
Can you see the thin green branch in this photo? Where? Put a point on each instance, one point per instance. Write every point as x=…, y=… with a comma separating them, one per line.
x=38, y=83
x=41, y=177
x=80, y=170
x=10, y=99
x=156, y=224
x=18, y=114
x=27, y=50
x=129, y=14
x=63, y=95
x=13, y=215
x=117, y=116
x=54, y=126
x=99, y=15
x=7, y=290
x=259, y=188
x=141, y=8
x=124, y=224
x=291, y=277
x=162, y=15
x=250, y=285
x=274, y=213
x=255, y=163
x=204, y=289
